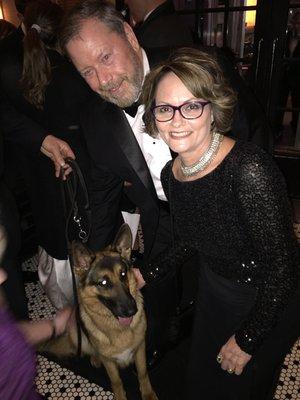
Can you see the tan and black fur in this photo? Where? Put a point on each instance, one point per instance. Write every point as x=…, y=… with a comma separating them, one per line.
x=111, y=312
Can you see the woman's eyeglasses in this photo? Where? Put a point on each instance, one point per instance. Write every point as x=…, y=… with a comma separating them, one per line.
x=188, y=110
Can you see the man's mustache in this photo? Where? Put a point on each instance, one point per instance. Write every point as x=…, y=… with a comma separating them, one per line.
x=111, y=85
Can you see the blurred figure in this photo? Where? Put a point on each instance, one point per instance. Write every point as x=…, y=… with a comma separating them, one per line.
x=156, y=24
x=14, y=286
x=6, y=28
x=17, y=356
x=289, y=83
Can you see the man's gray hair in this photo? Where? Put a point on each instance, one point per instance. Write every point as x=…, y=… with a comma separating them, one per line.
x=84, y=10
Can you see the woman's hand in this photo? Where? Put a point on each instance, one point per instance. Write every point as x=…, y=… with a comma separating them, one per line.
x=58, y=150
x=232, y=358
x=139, y=278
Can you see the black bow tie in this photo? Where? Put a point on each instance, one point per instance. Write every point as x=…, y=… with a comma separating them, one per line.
x=132, y=110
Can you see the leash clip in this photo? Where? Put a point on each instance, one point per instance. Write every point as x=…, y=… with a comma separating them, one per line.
x=82, y=234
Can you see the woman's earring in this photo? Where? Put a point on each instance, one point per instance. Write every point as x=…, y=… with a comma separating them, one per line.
x=212, y=122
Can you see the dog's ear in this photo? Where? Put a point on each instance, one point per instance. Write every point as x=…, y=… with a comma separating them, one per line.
x=123, y=242
x=82, y=258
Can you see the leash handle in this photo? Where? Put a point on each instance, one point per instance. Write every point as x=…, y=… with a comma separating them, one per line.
x=73, y=184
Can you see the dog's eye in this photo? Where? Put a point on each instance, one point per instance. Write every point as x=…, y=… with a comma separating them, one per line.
x=123, y=274
x=102, y=283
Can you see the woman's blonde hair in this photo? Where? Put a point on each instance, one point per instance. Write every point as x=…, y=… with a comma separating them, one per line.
x=202, y=76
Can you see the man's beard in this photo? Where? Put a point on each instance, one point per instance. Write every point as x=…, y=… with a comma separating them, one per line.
x=134, y=84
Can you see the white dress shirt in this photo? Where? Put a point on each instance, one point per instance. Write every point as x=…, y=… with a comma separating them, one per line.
x=155, y=151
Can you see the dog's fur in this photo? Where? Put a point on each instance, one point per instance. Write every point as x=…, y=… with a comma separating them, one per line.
x=111, y=313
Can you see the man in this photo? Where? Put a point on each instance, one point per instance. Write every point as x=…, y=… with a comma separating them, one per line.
x=107, y=54
x=156, y=24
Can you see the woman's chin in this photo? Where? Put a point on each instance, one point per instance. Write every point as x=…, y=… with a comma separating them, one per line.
x=177, y=148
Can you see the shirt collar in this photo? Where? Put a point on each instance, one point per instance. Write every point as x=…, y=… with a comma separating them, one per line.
x=148, y=13
x=146, y=65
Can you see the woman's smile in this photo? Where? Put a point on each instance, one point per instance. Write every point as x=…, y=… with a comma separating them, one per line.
x=180, y=135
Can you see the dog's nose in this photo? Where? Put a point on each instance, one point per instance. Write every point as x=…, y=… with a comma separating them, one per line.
x=129, y=309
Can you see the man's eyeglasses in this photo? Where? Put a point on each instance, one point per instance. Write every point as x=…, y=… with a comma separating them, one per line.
x=188, y=110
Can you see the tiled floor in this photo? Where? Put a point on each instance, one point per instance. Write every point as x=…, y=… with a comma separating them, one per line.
x=55, y=382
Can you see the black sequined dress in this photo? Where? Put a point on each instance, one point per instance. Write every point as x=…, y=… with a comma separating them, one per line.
x=238, y=219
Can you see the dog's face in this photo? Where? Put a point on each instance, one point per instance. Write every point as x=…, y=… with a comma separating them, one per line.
x=108, y=277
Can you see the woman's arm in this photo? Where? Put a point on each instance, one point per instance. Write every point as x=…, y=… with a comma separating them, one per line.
x=265, y=214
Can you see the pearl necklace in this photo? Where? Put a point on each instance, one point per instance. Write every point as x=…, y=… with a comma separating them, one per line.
x=205, y=159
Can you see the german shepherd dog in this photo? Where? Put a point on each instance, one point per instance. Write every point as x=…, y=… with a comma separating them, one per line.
x=111, y=313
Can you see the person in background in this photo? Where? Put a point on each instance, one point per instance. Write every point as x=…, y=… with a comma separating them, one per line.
x=293, y=74
x=229, y=201
x=17, y=361
x=156, y=24
x=24, y=128
x=43, y=93
x=13, y=287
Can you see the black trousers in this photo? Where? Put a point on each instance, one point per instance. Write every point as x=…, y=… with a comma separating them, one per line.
x=14, y=286
x=221, y=306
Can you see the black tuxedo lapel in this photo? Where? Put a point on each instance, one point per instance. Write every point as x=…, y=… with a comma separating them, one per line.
x=124, y=135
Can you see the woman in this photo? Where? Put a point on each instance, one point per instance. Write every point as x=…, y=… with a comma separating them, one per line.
x=228, y=200
x=44, y=87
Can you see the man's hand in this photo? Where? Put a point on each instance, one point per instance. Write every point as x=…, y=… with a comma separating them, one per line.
x=57, y=150
x=232, y=358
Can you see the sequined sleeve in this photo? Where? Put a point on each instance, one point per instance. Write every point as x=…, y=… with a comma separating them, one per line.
x=265, y=213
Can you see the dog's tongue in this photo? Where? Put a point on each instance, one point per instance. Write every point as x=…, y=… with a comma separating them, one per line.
x=125, y=321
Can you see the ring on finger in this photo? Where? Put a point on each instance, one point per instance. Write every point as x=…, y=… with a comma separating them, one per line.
x=219, y=358
x=230, y=370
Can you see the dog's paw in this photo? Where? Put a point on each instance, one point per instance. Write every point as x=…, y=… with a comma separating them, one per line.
x=150, y=396
x=120, y=395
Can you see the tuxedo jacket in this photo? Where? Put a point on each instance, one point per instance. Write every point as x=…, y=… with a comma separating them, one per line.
x=163, y=27
x=116, y=158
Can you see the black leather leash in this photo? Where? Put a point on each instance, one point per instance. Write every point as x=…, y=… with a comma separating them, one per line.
x=70, y=190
